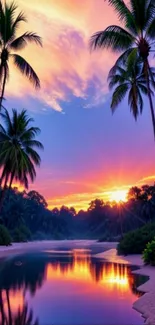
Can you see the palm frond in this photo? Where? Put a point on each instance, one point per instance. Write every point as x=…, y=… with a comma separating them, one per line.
x=116, y=80
x=135, y=101
x=124, y=14
x=33, y=144
x=151, y=30
x=121, y=61
x=9, y=14
x=116, y=69
x=138, y=9
x=28, y=37
x=20, y=18
x=118, y=95
x=152, y=77
x=132, y=59
x=33, y=155
x=150, y=13
x=143, y=88
x=29, y=133
x=113, y=37
x=26, y=70
x=7, y=120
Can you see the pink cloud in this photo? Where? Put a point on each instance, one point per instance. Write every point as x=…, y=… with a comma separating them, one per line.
x=65, y=65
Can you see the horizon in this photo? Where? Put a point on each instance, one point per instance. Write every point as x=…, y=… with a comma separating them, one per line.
x=116, y=196
x=87, y=150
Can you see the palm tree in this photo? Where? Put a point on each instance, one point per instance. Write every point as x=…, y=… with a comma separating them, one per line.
x=9, y=25
x=128, y=81
x=18, y=156
x=135, y=40
x=24, y=316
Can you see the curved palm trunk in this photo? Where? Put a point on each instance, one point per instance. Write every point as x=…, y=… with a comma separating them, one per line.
x=9, y=307
x=10, y=184
x=146, y=71
x=3, y=192
x=3, y=88
x=11, y=180
x=2, y=309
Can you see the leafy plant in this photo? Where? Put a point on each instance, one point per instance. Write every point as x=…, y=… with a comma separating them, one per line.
x=149, y=253
x=21, y=234
x=5, y=239
x=135, y=241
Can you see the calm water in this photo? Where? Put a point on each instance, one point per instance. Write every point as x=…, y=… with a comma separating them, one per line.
x=69, y=288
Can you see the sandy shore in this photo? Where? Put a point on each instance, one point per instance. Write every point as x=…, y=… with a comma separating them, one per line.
x=19, y=248
x=145, y=304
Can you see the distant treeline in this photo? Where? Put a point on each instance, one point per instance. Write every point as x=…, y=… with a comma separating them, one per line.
x=26, y=216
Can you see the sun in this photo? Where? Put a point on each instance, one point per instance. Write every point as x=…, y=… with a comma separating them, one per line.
x=118, y=196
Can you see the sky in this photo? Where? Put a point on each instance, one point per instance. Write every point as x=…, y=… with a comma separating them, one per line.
x=88, y=152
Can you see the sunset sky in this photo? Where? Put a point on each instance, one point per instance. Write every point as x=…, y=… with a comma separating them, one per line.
x=87, y=150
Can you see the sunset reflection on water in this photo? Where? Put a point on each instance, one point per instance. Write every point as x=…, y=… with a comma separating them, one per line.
x=85, y=289
x=82, y=269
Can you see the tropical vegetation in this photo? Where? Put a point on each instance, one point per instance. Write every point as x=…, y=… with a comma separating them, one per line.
x=11, y=44
x=27, y=217
x=135, y=43
x=134, y=242
x=5, y=238
x=18, y=150
x=149, y=253
x=131, y=82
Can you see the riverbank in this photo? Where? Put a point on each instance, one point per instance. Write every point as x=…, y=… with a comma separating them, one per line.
x=145, y=304
x=19, y=248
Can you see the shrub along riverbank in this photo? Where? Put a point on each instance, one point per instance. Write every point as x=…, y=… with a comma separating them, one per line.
x=140, y=241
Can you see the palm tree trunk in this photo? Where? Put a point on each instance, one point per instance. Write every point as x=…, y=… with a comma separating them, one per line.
x=149, y=94
x=3, y=192
x=9, y=307
x=3, y=88
x=2, y=309
x=11, y=180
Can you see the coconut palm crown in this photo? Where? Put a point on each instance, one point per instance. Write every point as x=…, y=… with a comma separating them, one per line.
x=131, y=82
x=11, y=44
x=135, y=40
x=18, y=144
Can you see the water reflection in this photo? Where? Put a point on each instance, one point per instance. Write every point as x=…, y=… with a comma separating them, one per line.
x=14, y=311
x=73, y=281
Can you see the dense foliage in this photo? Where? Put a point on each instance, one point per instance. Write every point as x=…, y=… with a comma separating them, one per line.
x=135, y=242
x=26, y=216
x=5, y=239
x=149, y=253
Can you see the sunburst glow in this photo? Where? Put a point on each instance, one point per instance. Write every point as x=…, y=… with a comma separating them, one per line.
x=118, y=196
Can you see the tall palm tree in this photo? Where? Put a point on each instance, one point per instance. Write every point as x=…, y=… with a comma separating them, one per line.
x=135, y=40
x=128, y=81
x=9, y=41
x=18, y=144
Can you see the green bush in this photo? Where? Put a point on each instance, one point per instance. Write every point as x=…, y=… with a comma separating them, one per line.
x=26, y=232
x=21, y=234
x=5, y=239
x=135, y=241
x=149, y=253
